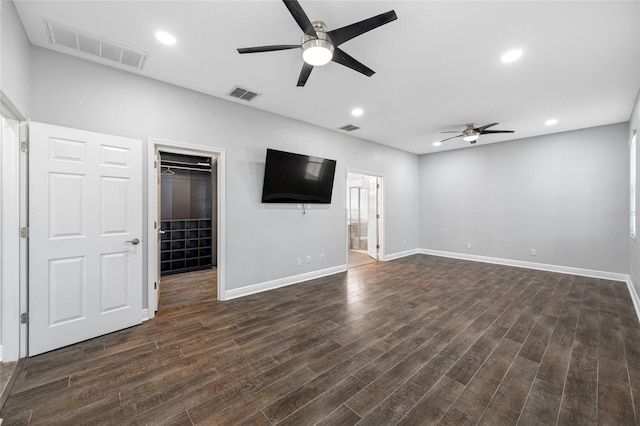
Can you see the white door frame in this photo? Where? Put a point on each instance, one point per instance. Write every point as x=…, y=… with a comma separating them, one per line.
x=14, y=259
x=152, y=256
x=381, y=232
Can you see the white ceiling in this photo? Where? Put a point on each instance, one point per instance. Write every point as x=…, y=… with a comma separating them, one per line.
x=437, y=66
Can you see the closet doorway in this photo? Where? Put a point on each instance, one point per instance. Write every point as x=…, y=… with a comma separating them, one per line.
x=187, y=231
x=364, y=219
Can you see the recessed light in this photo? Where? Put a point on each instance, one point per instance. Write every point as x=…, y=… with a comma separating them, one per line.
x=512, y=56
x=165, y=38
x=551, y=122
x=437, y=143
x=357, y=112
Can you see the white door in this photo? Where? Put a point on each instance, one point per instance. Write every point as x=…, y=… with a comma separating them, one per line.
x=372, y=219
x=85, y=219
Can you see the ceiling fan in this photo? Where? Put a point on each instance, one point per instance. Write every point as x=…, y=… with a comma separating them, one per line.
x=320, y=46
x=471, y=134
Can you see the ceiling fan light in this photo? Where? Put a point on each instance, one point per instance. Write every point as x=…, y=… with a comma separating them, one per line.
x=471, y=138
x=317, y=52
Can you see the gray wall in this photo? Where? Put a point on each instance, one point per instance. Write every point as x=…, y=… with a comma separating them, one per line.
x=563, y=194
x=634, y=246
x=15, y=64
x=263, y=241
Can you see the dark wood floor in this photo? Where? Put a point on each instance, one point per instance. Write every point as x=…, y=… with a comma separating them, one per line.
x=418, y=340
x=188, y=288
x=358, y=258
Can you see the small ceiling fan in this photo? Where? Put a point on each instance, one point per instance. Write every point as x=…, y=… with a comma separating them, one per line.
x=471, y=134
x=320, y=46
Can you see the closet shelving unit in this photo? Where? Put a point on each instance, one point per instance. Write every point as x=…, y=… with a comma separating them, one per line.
x=185, y=245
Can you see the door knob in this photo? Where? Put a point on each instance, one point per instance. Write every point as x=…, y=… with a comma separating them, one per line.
x=135, y=241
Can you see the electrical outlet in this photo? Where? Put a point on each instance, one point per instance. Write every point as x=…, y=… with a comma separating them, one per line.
x=308, y=259
x=533, y=252
x=468, y=245
x=321, y=257
x=299, y=261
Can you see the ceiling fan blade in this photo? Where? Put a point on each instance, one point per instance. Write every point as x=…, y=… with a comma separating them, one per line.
x=340, y=57
x=452, y=137
x=483, y=128
x=301, y=18
x=267, y=48
x=488, y=132
x=451, y=131
x=340, y=35
x=304, y=74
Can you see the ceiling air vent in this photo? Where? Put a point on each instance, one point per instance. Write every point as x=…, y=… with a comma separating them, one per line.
x=244, y=94
x=349, y=128
x=91, y=47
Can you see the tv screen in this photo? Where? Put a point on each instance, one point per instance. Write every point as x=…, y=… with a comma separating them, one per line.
x=297, y=178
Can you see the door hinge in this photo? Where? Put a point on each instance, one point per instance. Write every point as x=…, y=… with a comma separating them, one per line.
x=24, y=318
x=155, y=225
x=24, y=146
x=24, y=232
x=155, y=164
x=378, y=246
x=377, y=216
x=155, y=285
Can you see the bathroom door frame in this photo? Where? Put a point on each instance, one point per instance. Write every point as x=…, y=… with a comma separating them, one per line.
x=379, y=205
x=174, y=147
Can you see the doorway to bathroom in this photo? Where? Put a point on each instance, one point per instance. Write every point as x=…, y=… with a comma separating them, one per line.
x=364, y=219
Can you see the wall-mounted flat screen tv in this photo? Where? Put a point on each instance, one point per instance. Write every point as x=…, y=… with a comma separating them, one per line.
x=297, y=178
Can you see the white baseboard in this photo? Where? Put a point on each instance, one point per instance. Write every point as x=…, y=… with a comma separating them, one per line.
x=530, y=265
x=145, y=315
x=634, y=296
x=1, y=357
x=400, y=254
x=282, y=282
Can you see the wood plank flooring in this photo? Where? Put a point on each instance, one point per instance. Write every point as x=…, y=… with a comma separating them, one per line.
x=418, y=340
x=188, y=288
x=358, y=258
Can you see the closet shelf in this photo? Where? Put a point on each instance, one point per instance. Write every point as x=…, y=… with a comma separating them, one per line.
x=185, y=245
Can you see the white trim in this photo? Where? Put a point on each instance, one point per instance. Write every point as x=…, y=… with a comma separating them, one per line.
x=10, y=261
x=282, y=282
x=11, y=106
x=529, y=265
x=400, y=254
x=145, y=315
x=634, y=295
x=1, y=357
x=154, y=145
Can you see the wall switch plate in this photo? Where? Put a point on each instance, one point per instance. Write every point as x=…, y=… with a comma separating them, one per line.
x=533, y=252
x=321, y=257
x=299, y=261
x=308, y=259
x=468, y=245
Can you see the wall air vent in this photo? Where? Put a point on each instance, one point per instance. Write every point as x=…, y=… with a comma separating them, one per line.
x=349, y=128
x=244, y=94
x=90, y=46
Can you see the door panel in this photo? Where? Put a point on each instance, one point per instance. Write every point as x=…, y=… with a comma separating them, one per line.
x=67, y=288
x=85, y=212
